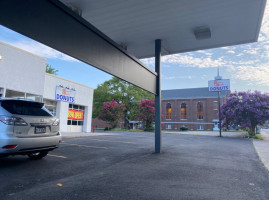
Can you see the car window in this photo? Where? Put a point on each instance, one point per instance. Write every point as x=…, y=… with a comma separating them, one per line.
x=25, y=108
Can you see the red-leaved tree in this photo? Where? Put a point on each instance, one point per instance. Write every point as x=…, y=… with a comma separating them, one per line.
x=112, y=112
x=146, y=112
x=246, y=109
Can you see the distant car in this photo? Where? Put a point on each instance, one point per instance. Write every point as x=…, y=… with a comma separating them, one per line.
x=27, y=128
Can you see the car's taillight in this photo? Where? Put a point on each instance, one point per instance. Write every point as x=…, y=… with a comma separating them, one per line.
x=16, y=121
x=56, y=122
x=12, y=146
x=19, y=122
x=7, y=120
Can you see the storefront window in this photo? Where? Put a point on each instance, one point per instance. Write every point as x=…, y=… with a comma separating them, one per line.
x=51, y=106
x=1, y=92
x=14, y=94
x=23, y=95
x=34, y=97
x=75, y=115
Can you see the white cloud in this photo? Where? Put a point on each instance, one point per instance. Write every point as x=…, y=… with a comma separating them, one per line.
x=41, y=50
x=191, y=61
x=148, y=61
x=230, y=51
x=240, y=54
x=168, y=77
x=251, y=51
x=258, y=75
x=176, y=77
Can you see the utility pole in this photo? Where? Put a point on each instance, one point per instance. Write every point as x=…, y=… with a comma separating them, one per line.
x=218, y=77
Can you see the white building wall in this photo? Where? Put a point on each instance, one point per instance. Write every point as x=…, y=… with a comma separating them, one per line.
x=62, y=114
x=21, y=71
x=84, y=97
x=88, y=119
x=24, y=72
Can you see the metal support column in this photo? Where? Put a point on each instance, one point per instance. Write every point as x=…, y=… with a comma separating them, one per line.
x=158, y=138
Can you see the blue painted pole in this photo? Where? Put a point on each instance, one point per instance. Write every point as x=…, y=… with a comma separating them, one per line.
x=158, y=138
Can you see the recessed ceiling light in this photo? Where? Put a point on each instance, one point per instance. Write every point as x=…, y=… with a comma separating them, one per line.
x=202, y=32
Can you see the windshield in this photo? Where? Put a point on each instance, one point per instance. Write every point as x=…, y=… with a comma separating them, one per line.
x=25, y=108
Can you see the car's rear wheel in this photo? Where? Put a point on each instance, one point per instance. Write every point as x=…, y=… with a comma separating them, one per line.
x=37, y=155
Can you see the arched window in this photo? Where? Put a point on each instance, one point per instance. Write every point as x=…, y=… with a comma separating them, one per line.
x=168, y=111
x=183, y=111
x=200, y=110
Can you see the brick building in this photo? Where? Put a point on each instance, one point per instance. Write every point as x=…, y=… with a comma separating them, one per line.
x=195, y=108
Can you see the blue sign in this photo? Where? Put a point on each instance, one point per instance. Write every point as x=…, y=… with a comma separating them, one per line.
x=64, y=94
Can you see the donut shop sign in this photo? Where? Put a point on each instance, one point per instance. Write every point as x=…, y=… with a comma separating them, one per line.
x=219, y=85
x=65, y=94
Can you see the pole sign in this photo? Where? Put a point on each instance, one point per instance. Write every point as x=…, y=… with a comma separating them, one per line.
x=219, y=85
x=64, y=94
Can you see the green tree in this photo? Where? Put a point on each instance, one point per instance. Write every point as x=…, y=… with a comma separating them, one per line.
x=51, y=70
x=123, y=93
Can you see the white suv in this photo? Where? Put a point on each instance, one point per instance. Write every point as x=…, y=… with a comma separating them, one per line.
x=27, y=128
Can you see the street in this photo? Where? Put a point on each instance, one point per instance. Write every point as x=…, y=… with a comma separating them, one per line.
x=123, y=166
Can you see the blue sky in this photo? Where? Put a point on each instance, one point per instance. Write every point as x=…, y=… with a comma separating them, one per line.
x=247, y=66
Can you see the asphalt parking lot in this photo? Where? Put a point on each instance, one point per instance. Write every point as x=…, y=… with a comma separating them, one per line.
x=123, y=166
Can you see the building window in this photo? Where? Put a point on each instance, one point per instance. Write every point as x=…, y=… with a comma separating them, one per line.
x=1, y=92
x=34, y=97
x=51, y=106
x=23, y=95
x=200, y=127
x=168, y=111
x=168, y=126
x=75, y=115
x=183, y=111
x=200, y=110
x=15, y=94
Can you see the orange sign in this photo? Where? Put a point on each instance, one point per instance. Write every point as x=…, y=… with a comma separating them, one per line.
x=75, y=114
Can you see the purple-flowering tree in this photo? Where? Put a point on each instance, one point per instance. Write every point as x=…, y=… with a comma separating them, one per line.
x=146, y=112
x=246, y=109
x=112, y=112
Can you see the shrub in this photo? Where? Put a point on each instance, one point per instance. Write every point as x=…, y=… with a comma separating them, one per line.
x=150, y=129
x=106, y=129
x=183, y=128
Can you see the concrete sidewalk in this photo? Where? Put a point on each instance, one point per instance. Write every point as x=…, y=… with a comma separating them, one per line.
x=236, y=134
x=262, y=147
x=83, y=134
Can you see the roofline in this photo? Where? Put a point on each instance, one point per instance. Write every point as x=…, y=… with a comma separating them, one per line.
x=186, y=88
x=193, y=98
x=22, y=50
x=52, y=75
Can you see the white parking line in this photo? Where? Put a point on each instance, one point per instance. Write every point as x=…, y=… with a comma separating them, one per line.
x=81, y=145
x=113, y=141
x=56, y=156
